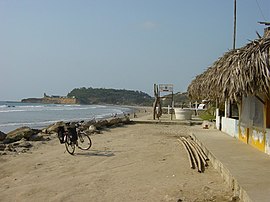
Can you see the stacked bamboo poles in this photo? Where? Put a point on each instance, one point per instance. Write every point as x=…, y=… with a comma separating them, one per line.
x=197, y=157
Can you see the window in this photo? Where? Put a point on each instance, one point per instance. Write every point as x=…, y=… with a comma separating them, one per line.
x=268, y=114
x=252, y=112
x=234, y=111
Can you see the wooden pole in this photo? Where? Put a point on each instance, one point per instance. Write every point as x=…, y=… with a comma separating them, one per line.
x=171, y=110
x=155, y=103
x=234, y=25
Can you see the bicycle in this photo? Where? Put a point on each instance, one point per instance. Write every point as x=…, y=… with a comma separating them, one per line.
x=74, y=136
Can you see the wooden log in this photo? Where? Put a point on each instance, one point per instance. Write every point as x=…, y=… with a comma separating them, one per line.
x=199, y=153
x=198, y=160
x=190, y=158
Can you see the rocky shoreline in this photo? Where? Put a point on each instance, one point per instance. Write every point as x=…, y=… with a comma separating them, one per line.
x=22, y=139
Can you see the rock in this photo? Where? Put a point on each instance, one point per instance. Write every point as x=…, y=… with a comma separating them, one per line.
x=3, y=153
x=113, y=122
x=10, y=148
x=22, y=143
x=2, y=147
x=181, y=199
x=208, y=125
x=118, y=121
x=54, y=127
x=2, y=136
x=38, y=137
x=19, y=147
x=92, y=129
x=101, y=124
x=206, y=188
x=125, y=120
x=235, y=199
x=19, y=133
x=89, y=123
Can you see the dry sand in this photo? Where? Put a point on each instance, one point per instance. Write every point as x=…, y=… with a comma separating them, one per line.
x=129, y=163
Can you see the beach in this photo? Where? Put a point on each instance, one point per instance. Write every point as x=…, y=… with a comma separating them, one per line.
x=135, y=162
x=39, y=115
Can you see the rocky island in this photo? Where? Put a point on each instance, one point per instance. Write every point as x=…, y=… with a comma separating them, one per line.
x=52, y=100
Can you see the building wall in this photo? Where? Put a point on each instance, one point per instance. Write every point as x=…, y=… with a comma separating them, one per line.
x=243, y=134
x=218, y=118
x=267, y=141
x=257, y=139
x=230, y=126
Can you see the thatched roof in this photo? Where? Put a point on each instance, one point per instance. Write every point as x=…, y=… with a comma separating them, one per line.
x=244, y=71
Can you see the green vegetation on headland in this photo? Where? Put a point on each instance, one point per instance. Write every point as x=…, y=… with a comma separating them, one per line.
x=180, y=99
x=111, y=96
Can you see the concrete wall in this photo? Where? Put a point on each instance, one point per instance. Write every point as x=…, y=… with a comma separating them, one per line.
x=267, y=141
x=243, y=134
x=230, y=126
x=257, y=139
x=217, y=119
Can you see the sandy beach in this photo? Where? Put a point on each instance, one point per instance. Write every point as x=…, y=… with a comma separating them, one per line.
x=136, y=162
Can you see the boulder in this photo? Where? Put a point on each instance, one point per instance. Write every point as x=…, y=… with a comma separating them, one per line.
x=89, y=123
x=101, y=124
x=114, y=122
x=54, y=127
x=92, y=129
x=20, y=146
x=2, y=147
x=19, y=133
x=22, y=143
x=10, y=148
x=39, y=137
x=208, y=125
x=125, y=120
x=2, y=136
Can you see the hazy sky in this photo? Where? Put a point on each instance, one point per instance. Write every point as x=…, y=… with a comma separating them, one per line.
x=54, y=46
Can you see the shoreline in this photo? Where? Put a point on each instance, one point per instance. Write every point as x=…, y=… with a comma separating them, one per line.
x=21, y=138
x=7, y=127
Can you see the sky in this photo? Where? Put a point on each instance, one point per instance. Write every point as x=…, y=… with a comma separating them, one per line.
x=54, y=46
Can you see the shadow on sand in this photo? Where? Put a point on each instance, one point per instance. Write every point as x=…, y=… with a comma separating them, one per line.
x=95, y=153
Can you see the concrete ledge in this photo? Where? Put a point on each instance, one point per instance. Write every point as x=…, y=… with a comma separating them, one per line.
x=225, y=173
x=166, y=121
x=188, y=123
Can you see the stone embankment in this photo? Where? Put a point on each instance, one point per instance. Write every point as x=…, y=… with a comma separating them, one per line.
x=24, y=138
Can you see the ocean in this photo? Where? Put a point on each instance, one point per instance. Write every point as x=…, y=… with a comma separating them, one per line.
x=16, y=114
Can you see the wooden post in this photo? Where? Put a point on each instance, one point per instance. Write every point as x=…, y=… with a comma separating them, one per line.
x=172, y=108
x=234, y=25
x=155, y=103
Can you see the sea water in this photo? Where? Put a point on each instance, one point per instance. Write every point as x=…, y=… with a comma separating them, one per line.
x=16, y=114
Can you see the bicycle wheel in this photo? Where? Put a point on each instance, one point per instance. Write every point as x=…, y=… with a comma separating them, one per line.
x=84, y=141
x=70, y=146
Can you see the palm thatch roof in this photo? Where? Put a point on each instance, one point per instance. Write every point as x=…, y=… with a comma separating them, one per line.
x=239, y=72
